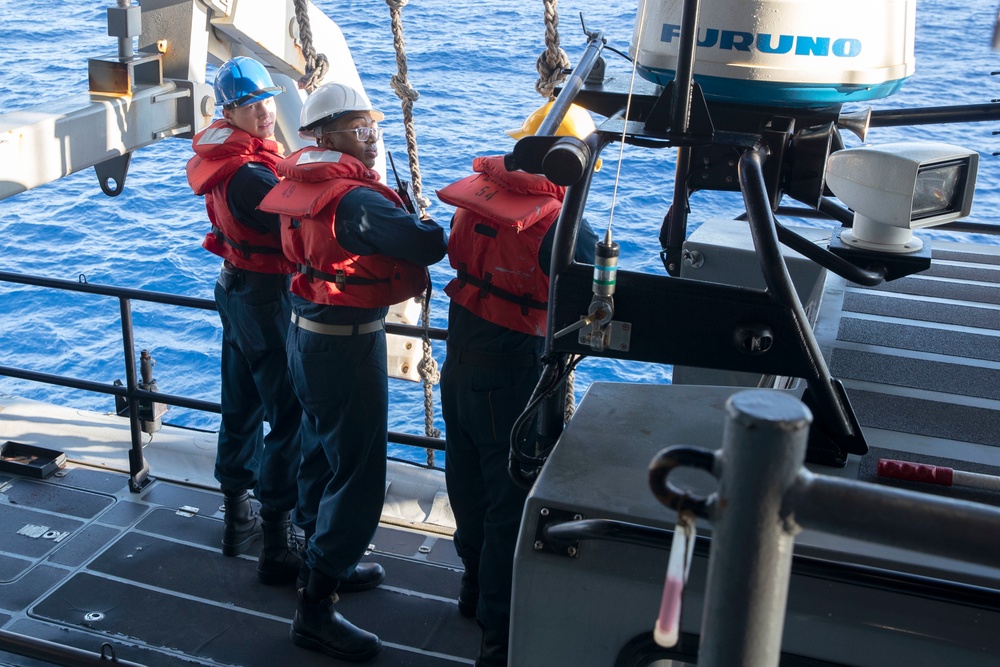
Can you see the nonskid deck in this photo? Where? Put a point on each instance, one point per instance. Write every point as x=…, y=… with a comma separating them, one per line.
x=84, y=562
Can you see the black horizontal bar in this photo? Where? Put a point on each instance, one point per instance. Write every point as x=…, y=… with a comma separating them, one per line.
x=57, y=654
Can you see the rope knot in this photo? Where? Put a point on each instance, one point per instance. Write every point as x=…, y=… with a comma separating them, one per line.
x=403, y=89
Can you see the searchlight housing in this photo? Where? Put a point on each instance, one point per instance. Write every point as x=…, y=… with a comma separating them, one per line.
x=897, y=187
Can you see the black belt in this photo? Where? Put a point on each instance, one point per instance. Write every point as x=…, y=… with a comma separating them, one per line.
x=486, y=360
x=255, y=278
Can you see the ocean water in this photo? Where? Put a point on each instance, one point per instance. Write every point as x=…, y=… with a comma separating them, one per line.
x=473, y=65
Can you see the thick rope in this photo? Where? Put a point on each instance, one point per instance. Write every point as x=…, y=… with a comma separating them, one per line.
x=570, y=404
x=553, y=61
x=428, y=371
x=316, y=64
x=401, y=85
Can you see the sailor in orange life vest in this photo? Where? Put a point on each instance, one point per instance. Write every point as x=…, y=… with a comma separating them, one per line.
x=500, y=243
x=234, y=167
x=357, y=251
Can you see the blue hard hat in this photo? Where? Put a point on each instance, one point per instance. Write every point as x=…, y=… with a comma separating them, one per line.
x=242, y=81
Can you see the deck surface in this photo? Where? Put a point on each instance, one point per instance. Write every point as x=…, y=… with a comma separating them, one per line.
x=84, y=562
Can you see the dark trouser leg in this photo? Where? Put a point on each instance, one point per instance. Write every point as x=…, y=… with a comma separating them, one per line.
x=480, y=406
x=464, y=478
x=264, y=316
x=255, y=315
x=342, y=478
x=241, y=430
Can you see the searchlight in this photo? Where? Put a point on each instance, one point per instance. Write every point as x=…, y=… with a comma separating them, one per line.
x=897, y=187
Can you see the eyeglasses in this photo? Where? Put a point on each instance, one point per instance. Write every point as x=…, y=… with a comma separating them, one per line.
x=364, y=134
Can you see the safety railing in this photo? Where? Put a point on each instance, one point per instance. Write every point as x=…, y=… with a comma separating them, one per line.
x=135, y=398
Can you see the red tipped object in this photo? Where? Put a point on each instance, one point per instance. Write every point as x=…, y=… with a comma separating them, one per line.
x=915, y=472
x=922, y=472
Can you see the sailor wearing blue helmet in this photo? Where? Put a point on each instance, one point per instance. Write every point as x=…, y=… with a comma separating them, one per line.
x=234, y=166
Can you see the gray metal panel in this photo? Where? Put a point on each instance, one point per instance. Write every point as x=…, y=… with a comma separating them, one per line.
x=722, y=251
x=598, y=470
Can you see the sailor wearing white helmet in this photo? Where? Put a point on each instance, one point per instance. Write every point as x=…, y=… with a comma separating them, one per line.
x=357, y=251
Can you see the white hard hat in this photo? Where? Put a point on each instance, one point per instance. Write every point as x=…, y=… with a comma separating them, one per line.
x=328, y=102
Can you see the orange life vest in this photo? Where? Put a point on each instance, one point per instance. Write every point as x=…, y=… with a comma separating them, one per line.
x=314, y=180
x=500, y=221
x=219, y=150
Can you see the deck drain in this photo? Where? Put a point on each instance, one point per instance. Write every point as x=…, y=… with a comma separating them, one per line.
x=93, y=617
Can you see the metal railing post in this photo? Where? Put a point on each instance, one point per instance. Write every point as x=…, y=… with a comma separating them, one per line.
x=138, y=468
x=764, y=445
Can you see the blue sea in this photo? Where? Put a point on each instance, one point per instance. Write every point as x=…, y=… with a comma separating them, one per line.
x=473, y=65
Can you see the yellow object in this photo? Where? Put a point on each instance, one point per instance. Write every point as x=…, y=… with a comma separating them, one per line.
x=576, y=123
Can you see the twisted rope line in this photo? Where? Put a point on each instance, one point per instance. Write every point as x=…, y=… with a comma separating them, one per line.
x=316, y=64
x=401, y=85
x=428, y=370
x=553, y=60
x=569, y=408
x=552, y=64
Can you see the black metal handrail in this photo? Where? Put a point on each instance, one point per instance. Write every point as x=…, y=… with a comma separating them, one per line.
x=60, y=654
x=133, y=395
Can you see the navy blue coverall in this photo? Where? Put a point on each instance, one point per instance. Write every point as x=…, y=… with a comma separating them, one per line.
x=342, y=383
x=488, y=377
x=255, y=310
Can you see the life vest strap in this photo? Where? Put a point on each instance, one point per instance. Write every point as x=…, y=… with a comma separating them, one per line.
x=486, y=287
x=245, y=248
x=340, y=278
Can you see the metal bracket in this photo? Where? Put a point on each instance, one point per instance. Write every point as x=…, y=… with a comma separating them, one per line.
x=545, y=543
x=121, y=76
x=617, y=336
x=114, y=171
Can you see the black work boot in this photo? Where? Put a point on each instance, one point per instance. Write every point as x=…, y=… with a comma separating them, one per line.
x=468, y=594
x=492, y=649
x=319, y=627
x=242, y=525
x=280, y=553
x=365, y=577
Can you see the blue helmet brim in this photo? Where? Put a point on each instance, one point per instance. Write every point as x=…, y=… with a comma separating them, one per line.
x=255, y=96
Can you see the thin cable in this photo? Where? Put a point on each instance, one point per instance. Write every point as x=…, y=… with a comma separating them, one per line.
x=628, y=106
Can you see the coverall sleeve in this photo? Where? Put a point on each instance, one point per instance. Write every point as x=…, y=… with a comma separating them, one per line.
x=368, y=224
x=249, y=185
